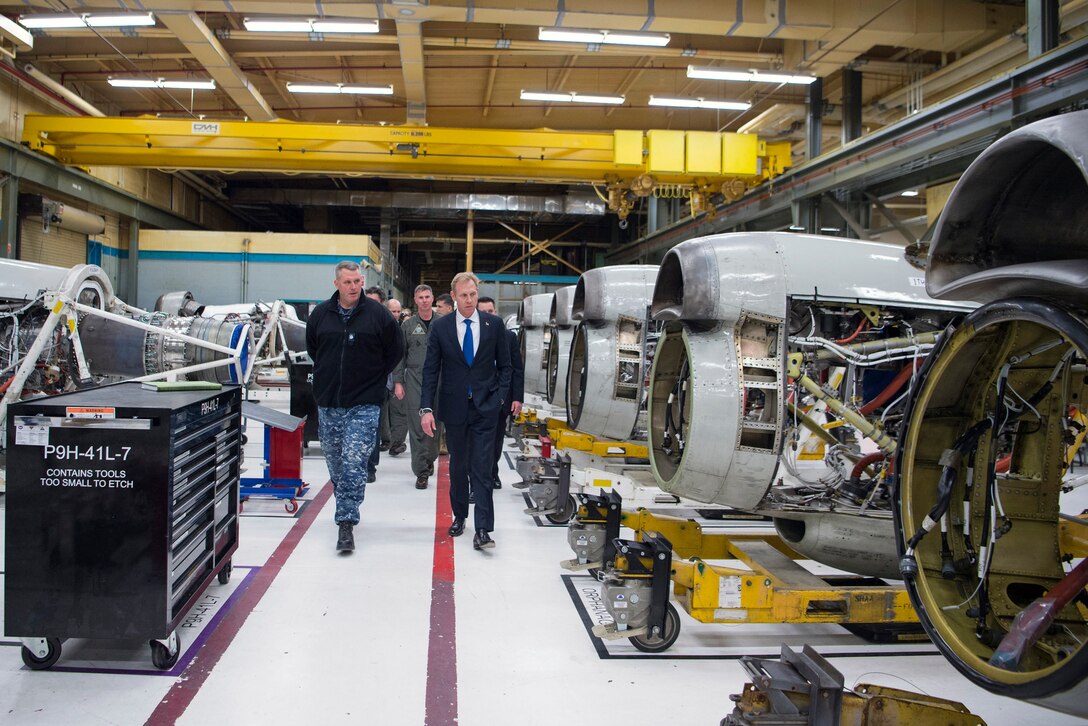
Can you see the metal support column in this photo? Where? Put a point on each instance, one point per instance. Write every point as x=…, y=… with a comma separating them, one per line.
x=1044, y=26
x=814, y=120
x=131, y=294
x=469, y=231
x=385, y=223
x=9, y=215
x=806, y=215
x=851, y=105
x=651, y=215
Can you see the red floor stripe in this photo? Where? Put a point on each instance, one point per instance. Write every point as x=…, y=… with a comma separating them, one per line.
x=442, y=643
x=182, y=693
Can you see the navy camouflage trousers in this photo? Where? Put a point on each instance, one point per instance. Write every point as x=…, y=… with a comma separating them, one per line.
x=348, y=435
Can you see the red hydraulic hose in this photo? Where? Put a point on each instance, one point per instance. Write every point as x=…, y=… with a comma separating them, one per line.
x=865, y=461
x=861, y=326
x=1034, y=620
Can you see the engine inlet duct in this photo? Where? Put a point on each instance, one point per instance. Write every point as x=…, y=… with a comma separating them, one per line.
x=776, y=383
x=533, y=317
x=561, y=332
x=989, y=525
x=607, y=365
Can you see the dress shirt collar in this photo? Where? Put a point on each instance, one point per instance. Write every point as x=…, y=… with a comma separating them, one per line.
x=475, y=319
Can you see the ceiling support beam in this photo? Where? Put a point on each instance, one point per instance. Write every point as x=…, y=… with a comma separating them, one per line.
x=537, y=247
x=410, y=40
x=199, y=40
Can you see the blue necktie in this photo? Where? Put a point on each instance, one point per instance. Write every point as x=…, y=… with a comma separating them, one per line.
x=466, y=344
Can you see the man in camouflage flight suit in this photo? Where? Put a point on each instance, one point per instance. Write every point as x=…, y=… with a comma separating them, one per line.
x=354, y=345
x=408, y=382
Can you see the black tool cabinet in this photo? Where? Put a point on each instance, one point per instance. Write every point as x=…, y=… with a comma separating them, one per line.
x=122, y=507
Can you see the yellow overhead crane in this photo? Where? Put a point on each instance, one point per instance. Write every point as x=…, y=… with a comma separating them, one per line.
x=630, y=163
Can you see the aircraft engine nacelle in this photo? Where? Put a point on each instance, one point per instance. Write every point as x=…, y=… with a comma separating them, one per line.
x=606, y=367
x=561, y=329
x=533, y=318
x=745, y=314
x=994, y=423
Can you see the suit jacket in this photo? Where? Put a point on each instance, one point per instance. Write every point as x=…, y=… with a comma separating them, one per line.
x=489, y=376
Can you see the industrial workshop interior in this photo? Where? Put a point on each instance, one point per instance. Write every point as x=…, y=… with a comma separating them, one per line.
x=544, y=362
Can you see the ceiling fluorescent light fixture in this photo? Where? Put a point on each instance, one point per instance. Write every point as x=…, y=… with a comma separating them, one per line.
x=590, y=98
x=339, y=88
x=161, y=83
x=608, y=37
x=699, y=103
x=119, y=20
x=559, y=97
x=544, y=96
x=57, y=21
x=748, y=76
x=309, y=25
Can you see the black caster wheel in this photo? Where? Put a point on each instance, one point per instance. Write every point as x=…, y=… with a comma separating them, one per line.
x=660, y=643
x=224, y=574
x=36, y=663
x=161, y=656
x=565, y=512
x=291, y=506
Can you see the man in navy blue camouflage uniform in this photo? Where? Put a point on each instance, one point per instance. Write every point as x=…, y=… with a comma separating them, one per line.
x=354, y=344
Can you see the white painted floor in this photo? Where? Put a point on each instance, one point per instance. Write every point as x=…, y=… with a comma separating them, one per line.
x=344, y=639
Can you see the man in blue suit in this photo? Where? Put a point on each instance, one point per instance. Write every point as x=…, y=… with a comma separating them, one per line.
x=469, y=351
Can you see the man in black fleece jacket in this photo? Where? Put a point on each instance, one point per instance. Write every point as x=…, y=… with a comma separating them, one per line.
x=354, y=345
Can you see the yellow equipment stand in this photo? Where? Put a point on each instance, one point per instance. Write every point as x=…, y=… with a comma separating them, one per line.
x=771, y=587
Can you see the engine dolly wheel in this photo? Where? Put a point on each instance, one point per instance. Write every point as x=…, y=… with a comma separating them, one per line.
x=44, y=653
x=290, y=506
x=224, y=574
x=660, y=643
x=165, y=655
x=565, y=511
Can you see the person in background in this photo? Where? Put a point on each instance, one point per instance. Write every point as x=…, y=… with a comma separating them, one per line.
x=376, y=294
x=514, y=394
x=408, y=382
x=443, y=305
x=470, y=352
x=354, y=345
x=394, y=414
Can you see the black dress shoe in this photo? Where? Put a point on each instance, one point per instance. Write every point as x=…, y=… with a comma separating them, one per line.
x=397, y=449
x=383, y=446
x=371, y=477
x=457, y=528
x=421, y=482
x=498, y=483
x=482, y=540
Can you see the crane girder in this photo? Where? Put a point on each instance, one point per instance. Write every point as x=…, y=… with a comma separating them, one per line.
x=627, y=162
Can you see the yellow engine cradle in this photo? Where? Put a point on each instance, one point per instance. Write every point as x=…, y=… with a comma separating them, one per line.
x=564, y=439
x=774, y=590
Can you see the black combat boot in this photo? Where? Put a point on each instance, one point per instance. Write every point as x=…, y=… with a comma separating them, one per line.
x=346, y=541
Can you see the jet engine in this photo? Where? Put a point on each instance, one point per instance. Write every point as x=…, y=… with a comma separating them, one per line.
x=777, y=382
x=533, y=318
x=64, y=328
x=990, y=525
x=607, y=366
x=560, y=333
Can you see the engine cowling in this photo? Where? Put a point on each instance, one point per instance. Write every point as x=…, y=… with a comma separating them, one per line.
x=606, y=367
x=533, y=316
x=561, y=329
